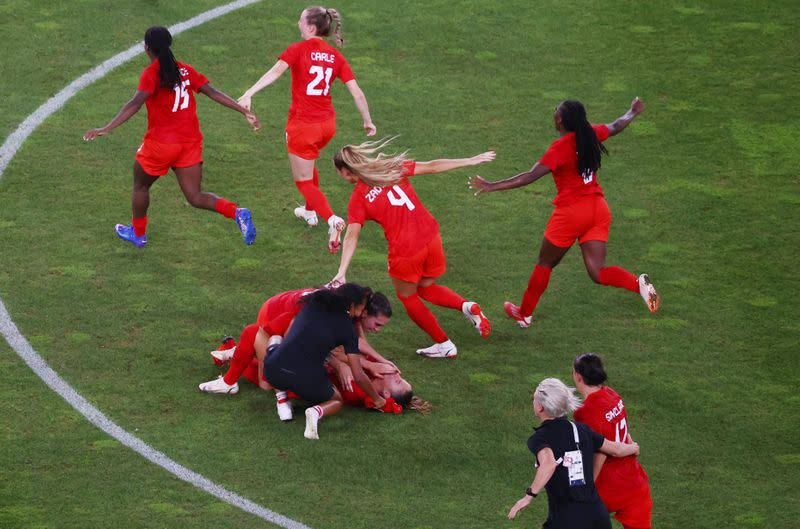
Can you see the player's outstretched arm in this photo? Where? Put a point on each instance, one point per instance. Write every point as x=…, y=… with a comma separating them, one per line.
x=227, y=101
x=348, y=250
x=128, y=109
x=362, y=106
x=267, y=79
x=447, y=164
x=637, y=107
x=480, y=185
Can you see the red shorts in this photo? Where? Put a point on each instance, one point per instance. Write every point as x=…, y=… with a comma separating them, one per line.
x=307, y=139
x=157, y=158
x=429, y=262
x=633, y=511
x=588, y=219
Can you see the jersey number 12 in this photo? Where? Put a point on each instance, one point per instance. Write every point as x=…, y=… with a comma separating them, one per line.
x=322, y=74
x=622, y=431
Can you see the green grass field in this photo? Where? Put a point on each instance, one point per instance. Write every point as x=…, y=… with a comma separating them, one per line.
x=703, y=186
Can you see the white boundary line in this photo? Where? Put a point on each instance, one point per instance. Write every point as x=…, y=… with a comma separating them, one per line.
x=23, y=348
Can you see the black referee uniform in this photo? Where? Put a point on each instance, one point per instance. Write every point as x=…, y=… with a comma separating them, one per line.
x=576, y=505
x=298, y=363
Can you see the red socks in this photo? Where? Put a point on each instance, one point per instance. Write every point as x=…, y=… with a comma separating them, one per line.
x=423, y=317
x=251, y=371
x=536, y=285
x=315, y=199
x=316, y=183
x=139, y=225
x=244, y=353
x=614, y=276
x=442, y=296
x=225, y=208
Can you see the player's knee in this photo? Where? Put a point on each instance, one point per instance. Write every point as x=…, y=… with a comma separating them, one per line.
x=195, y=199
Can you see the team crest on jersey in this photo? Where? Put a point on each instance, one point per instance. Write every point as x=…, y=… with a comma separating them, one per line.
x=184, y=72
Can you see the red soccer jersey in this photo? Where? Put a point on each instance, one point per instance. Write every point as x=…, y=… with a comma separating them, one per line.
x=562, y=159
x=171, y=112
x=604, y=412
x=407, y=225
x=278, y=311
x=315, y=64
x=351, y=398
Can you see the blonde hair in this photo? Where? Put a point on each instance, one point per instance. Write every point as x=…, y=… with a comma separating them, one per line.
x=371, y=166
x=324, y=19
x=556, y=398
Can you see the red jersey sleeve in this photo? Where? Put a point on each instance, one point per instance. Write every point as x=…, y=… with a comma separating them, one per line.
x=356, y=212
x=552, y=158
x=148, y=82
x=601, y=131
x=409, y=166
x=345, y=72
x=290, y=54
x=196, y=79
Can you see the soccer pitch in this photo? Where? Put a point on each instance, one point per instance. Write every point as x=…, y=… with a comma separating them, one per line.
x=704, y=191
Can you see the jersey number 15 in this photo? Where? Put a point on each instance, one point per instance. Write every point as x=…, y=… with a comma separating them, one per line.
x=181, y=96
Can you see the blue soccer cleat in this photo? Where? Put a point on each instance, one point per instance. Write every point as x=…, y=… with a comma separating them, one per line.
x=245, y=222
x=126, y=233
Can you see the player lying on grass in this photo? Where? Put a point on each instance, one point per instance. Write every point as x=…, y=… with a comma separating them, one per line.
x=173, y=139
x=273, y=319
x=383, y=193
x=296, y=362
x=386, y=379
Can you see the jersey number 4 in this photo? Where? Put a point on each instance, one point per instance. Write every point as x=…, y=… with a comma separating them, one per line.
x=181, y=96
x=322, y=74
x=400, y=199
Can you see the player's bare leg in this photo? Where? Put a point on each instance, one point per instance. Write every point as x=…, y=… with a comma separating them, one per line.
x=136, y=232
x=594, y=257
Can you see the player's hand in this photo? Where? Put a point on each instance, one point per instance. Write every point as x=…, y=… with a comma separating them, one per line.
x=253, y=120
x=92, y=134
x=379, y=369
x=345, y=375
x=337, y=281
x=246, y=101
x=370, y=128
x=521, y=504
x=380, y=403
x=482, y=158
x=391, y=364
x=479, y=184
x=636, y=448
x=637, y=106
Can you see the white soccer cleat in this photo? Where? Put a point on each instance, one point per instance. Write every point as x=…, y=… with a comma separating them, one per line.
x=222, y=357
x=218, y=385
x=439, y=350
x=478, y=319
x=312, y=420
x=335, y=227
x=285, y=410
x=649, y=294
x=309, y=216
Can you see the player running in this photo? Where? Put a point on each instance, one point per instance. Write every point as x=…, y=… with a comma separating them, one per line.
x=383, y=193
x=312, y=120
x=621, y=482
x=173, y=138
x=581, y=211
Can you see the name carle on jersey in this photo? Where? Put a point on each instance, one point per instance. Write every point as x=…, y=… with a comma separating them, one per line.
x=322, y=56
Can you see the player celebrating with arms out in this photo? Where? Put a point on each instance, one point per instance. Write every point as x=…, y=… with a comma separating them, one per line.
x=312, y=120
x=621, y=482
x=580, y=210
x=383, y=193
x=173, y=138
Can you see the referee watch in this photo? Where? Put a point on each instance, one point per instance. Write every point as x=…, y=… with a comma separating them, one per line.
x=529, y=492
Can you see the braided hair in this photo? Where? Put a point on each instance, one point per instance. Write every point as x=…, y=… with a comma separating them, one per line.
x=158, y=40
x=590, y=149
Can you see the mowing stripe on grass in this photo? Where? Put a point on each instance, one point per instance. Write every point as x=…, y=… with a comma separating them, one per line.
x=23, y=348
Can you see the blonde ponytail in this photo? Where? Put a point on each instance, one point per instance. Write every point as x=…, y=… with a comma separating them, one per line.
x=336, y=21
x=325, y=20
x=371, y=166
